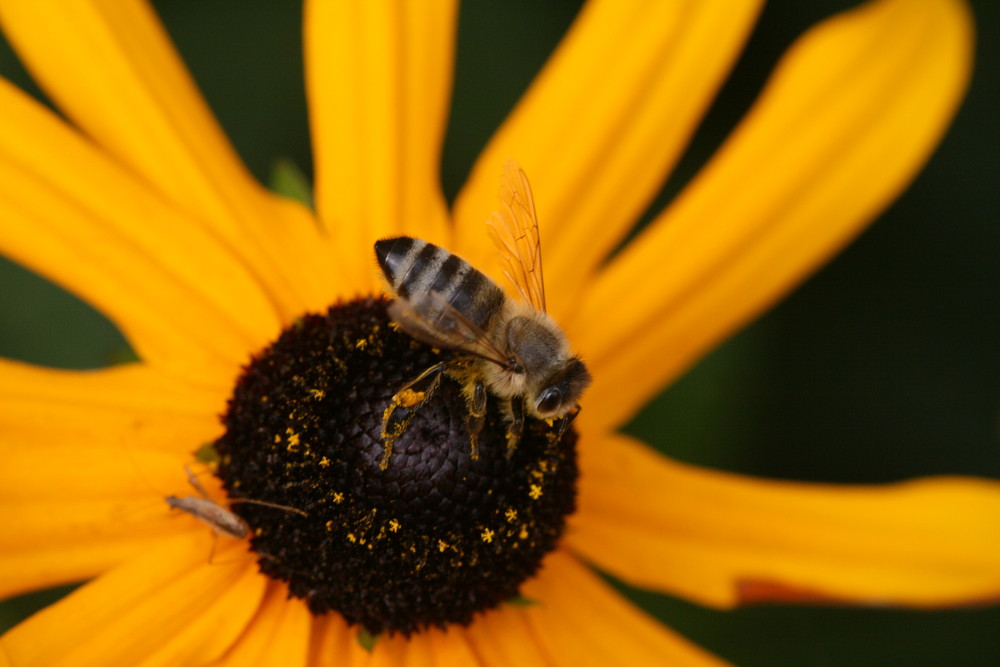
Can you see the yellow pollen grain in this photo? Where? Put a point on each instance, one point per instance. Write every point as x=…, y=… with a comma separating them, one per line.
x=361, y=344
x=442, y=545
x=487, y=535
x=393, y=525
x=408, y=398
x=329, y=524
x=318, y=394
x=352, y=537
x=338, y=497
x=511, y=515
x=324, y=462
x=277, y=438
x=535, y=492
x=524, y=532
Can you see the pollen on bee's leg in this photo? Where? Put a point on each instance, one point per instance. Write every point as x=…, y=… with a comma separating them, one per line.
x=476, y=400
x=426, y=539
x=396, y=419
x=515, y=427
x=409, y=398
x=404, y=404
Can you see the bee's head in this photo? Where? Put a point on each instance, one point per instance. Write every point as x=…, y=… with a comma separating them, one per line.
x=560, y=392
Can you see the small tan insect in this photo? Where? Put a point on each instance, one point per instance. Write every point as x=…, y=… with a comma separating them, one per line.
x=217, y=517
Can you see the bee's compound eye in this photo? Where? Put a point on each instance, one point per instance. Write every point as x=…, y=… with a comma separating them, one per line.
x=549, y=400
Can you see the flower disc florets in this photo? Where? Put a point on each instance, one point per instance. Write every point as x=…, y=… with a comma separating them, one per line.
x=430, y=540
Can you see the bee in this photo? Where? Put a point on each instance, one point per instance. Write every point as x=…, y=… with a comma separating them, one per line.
x=510, y=348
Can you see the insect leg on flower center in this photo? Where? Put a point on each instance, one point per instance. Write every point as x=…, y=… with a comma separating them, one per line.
x=506, y=347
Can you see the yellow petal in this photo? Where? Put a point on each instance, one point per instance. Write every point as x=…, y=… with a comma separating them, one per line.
x=40, y=567
x=332, y=643
x=379, y=81
x=505, y=637
x=71, y=511
x=852, y=112
x=431, y=648
x=335, y=643
x=719, y=539
x=111, y=69
x=603, y=124
x=124, y=408
x=580, y=620
x=78, y=471
x=88, y=459
x=448, y=648
x=277, y=635
x=74, y=216
x=170, y=606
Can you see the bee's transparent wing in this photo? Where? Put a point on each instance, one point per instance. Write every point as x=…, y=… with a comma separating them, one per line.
x=434, y=321
x=514, y=231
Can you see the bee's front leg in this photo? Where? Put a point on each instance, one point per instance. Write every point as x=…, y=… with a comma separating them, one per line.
x=475, y=413
x=562, y=425
x=515, y=427
x=404, y=404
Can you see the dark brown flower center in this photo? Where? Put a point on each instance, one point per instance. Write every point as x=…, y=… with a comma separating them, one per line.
x=432, y=539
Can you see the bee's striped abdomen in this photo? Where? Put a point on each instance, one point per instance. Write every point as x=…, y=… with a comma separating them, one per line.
x=413, y=267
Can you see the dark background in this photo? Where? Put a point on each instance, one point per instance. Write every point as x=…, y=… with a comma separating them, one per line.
x=883, y=366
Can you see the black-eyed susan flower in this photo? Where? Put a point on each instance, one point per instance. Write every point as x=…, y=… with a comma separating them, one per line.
x=242, y=304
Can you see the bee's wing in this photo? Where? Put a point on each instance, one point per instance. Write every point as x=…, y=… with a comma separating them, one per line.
x=514, y=230
x=434, y=321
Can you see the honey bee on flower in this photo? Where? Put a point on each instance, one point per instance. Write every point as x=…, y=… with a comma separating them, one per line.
x=509, y=348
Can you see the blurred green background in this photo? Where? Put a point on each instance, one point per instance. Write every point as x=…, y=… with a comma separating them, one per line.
x=883, y=366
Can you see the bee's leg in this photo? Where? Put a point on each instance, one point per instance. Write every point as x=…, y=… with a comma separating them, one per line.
x=516, y=425
x=563, y=424
x=399, y=413
x=475, y=413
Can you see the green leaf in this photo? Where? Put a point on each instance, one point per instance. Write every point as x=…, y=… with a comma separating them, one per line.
x=366, y=639
x=289, y=181
x=207, y=453
x=521, y=601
